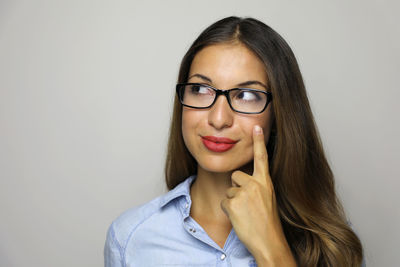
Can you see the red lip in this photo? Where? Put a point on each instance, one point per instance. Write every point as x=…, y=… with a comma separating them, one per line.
x=218, y=144
x=216, y=139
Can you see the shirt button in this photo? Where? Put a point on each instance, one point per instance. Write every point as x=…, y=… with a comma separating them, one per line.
x=187, y=205
x=223, y=256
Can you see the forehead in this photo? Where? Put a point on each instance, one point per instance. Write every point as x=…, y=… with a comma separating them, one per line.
x=228, y=63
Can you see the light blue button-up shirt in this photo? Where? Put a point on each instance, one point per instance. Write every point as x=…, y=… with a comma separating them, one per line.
x=162, y=233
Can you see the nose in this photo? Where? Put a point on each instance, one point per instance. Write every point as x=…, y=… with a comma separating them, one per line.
x=220, y=114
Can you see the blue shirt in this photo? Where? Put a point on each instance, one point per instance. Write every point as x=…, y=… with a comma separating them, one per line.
x=162, y=233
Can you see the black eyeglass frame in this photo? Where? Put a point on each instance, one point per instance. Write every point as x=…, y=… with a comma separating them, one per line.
x=222, y=92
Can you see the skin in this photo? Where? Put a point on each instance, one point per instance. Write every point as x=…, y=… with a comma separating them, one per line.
x=225, y=195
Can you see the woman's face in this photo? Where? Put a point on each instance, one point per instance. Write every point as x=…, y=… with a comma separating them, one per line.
x=224, y=66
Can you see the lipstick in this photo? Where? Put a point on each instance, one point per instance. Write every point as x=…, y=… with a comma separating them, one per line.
x=218, y=144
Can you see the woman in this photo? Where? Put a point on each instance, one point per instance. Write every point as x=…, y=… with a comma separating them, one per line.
x=249, y=182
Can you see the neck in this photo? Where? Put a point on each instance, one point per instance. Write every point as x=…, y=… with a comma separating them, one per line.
x=207, y=192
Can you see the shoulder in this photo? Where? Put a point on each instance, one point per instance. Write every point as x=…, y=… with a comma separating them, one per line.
x=124, y=226
x=126, y=223
x=120, y=231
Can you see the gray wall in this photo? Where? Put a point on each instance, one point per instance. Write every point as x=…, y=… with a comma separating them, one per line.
x=81, y=141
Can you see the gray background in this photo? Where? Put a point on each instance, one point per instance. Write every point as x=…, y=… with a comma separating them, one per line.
x=86, y=91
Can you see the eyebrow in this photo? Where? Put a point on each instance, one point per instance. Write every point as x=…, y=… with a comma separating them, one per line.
x=205, y=78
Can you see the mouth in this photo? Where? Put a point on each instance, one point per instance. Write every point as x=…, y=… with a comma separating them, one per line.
x=218, y=144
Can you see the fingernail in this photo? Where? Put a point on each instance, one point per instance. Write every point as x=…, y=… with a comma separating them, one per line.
x=258, y=129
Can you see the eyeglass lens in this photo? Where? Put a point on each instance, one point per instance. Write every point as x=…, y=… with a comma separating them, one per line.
x=242, y=100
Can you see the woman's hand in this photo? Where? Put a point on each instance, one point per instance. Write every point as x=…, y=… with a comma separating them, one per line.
x=251, y=207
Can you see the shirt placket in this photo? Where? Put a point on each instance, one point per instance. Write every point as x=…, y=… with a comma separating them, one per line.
x=193, y=228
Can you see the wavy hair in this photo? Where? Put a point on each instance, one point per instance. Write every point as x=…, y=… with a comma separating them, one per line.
x=312, y=217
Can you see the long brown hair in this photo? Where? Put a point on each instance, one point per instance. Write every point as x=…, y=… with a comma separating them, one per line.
x=311, y=214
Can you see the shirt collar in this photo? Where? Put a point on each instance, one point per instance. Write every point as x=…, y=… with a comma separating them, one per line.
x=182, y=189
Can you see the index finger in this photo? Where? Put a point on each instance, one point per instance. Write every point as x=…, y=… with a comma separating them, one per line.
x=260, y=153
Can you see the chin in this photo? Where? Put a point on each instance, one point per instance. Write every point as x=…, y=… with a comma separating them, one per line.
x=217, y=170
x=220, y=166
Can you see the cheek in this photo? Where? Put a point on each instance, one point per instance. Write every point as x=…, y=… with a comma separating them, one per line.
x=265, y=121
x=185, y=126
x=248, y=125
x=189, y=121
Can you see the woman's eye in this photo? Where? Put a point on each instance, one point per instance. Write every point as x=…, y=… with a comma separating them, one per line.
x=247, y=96
x=198, y=89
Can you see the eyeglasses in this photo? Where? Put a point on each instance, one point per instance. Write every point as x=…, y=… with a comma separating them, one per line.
x=242, y=100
